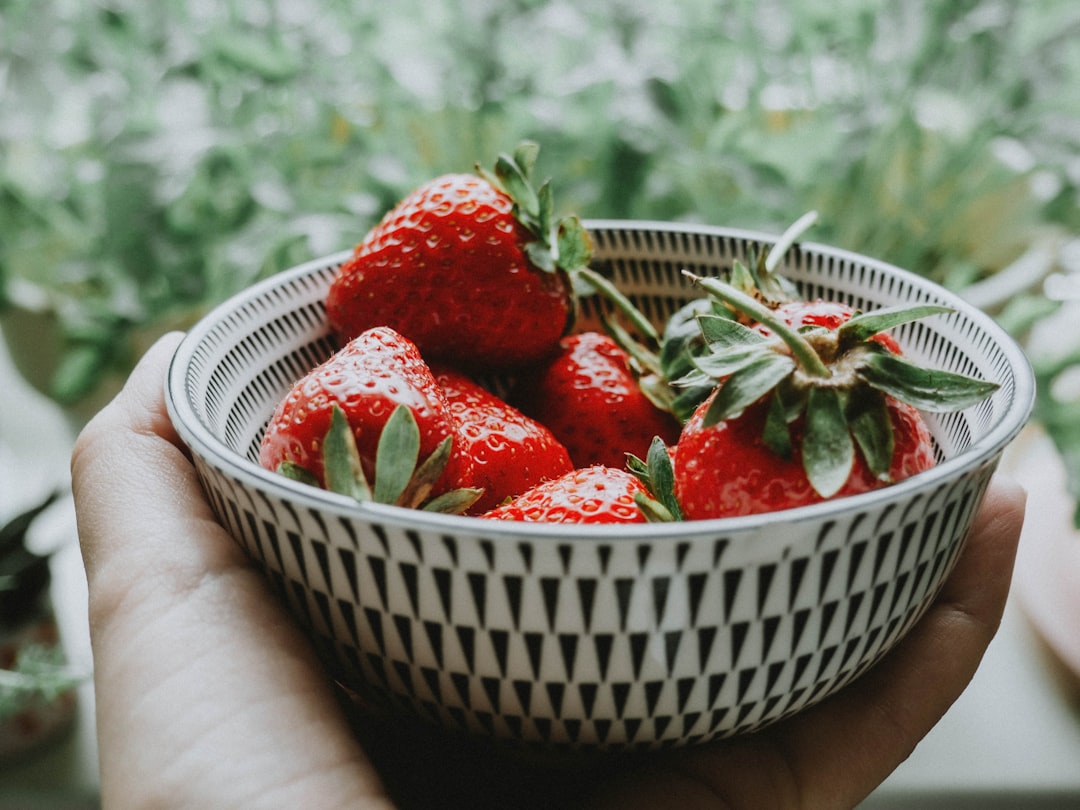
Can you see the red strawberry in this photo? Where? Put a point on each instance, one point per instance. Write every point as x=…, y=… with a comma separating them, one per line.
x=800, y=417
x=727, y=469
x=472, y=268
x=590, y=397
x=509, y=452
x=376, y=381
x=590, y=495
x=827, y=314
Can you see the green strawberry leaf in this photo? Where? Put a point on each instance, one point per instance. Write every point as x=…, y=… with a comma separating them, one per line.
x=682, y=338
x=662, y=477
x=397, y=455
x=425, y=476
x=687, y=401
x=573, y=243
x=865, y=325
x=777, y=435
x=295, y=472
x=515, y=182
x=541, y=255
x=652, y=509
x=872, y=429
x=722, y=332
x=722, y=364
x=341, y=460
x=747, y=385
x=454, y=502
x=933, y=390
x=828, y=450
x=545, y=212
x=525, y=156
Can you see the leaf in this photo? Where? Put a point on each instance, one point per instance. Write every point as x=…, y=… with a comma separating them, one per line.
x=934, y=390
x=426, y=474
x=662, y=477
x=747, y=385
x=541, y=255
x=397, y=455
x=722, y=364
x=682, y=338
x=517, y=185
x=653, y=510
x=872, y=429
x=776, y=434
x=341, y=460
x=573, y=243
x=526, y=154
x=454, y=502
x=721, y=332
x=865, y=325
x=686, y=402
x=828, y=450
x=295, y=472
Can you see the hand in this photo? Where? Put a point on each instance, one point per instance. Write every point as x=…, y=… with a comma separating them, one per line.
x=209, y=696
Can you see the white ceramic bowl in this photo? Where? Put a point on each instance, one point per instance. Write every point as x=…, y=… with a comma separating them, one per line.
x=621, y=638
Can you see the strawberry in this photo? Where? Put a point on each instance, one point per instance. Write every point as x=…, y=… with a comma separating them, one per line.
x=727, y=469
x=798, y=417
x=589, y=396
x=827, y=314
x=473, y=268
x=595, y=494
x=372, y=412
x=509, y=452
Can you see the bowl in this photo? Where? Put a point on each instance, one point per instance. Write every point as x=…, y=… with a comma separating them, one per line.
x=631, y=637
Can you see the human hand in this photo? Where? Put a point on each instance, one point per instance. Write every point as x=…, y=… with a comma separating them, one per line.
x=209, y=696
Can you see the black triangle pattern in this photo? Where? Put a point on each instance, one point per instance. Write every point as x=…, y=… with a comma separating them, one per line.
x=606, y=644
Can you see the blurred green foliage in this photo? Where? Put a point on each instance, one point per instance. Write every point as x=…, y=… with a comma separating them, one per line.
x=156, y=157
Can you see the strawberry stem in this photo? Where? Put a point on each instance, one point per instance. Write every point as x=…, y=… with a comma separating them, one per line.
x=787, y=239
x=621, y=302
x=801, y=350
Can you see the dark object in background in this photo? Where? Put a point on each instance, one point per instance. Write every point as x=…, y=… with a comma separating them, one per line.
x=37, y=697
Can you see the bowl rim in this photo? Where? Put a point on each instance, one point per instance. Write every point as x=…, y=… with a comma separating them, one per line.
x=985, y=450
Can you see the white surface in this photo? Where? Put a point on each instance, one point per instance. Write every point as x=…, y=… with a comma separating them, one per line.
x=1010, y=741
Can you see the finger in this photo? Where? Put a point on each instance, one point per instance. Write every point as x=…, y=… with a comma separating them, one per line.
x=836, y=753
x=207, y=694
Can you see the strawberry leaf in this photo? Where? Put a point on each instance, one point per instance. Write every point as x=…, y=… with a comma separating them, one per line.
x=426, y=474
x=933, y=390
x=747, y=385
x=828, y=450
x=658, y=476
x=515, y=182
x=662, y=477
x=295, y=472
x=397, y=455
x=722, y=364
x=525, y=156
x=540, y=255
x=341, y=460
x=777, y=435
x=723, y=333
x=871, y=427
x=573, y=243
x=652, y=509
x=454, y=502
x=864, y=326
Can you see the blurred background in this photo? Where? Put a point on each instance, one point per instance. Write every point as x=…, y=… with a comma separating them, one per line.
x=157, y=157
